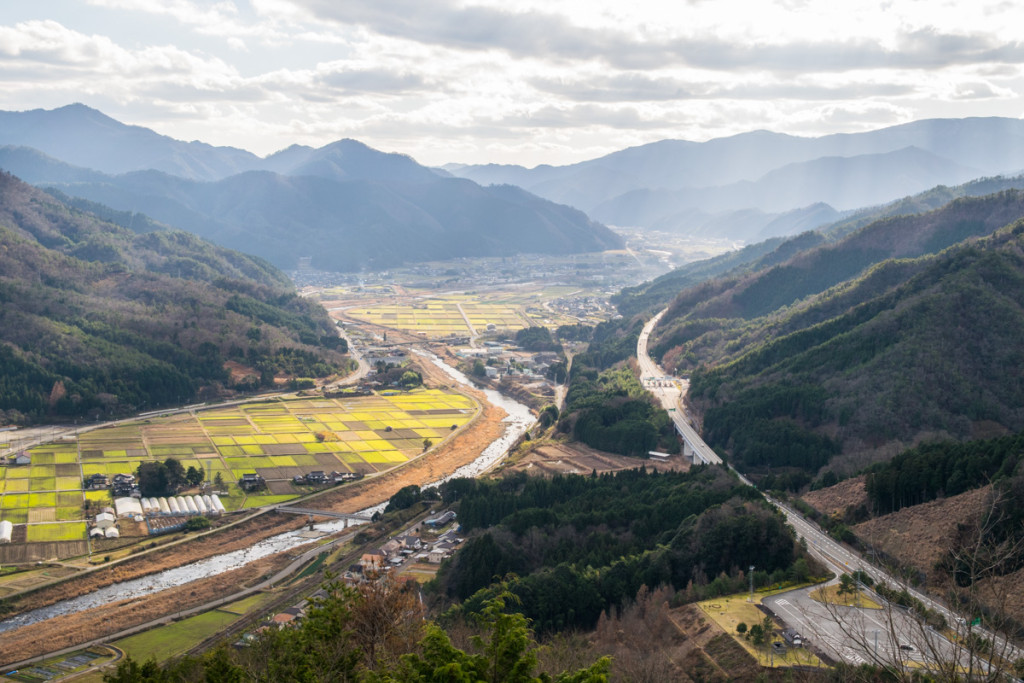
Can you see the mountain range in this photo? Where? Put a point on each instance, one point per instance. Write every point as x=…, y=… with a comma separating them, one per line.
x=345, y=205
x=674, y=184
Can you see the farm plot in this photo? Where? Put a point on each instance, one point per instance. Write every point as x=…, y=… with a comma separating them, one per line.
x=278, y=439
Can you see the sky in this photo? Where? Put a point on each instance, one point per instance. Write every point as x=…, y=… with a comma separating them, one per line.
x=511, y=81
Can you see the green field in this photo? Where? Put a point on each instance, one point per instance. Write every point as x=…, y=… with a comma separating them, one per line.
x=278, y=439
x=167, y=641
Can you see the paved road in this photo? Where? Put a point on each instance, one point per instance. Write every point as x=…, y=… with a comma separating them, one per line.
x=821, y=545
x=669, y=391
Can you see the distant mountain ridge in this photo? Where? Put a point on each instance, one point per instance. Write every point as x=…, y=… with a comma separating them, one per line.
x=345, y=205
x=660, y=184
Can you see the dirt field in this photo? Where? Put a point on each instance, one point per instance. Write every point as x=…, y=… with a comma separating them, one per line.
x=921, y=535
x=68, y=630
x=575, y=458
x=837, y=498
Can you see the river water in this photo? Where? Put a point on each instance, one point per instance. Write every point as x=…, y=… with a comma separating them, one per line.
x=518, y=421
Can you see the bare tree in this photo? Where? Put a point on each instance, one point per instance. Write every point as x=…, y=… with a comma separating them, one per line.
x=907, y=635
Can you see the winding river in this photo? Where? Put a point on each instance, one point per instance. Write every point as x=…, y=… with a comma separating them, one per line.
x=518, y=421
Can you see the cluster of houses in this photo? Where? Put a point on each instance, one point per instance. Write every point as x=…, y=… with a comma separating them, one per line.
x=321, y=478
x=410, y=547
x=121, y=485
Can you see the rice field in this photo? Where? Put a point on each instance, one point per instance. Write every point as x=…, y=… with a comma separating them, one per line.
x=277, y=439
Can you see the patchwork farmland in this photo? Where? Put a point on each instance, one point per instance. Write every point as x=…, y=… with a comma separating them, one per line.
x=277, y=439
x=452, y=314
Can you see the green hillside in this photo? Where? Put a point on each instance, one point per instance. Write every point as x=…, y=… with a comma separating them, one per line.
x=99, y=320
x=846, y=350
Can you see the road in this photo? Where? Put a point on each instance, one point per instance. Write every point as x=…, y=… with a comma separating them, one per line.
x=820, y=544
x=292, y=567
x=669, y=391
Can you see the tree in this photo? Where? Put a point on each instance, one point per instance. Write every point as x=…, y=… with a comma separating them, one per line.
x=194, y=476
x=427, y=443
x=741, y=628
x=218, y=481
x=479, y=369
x=175, y=474
x=153, y=479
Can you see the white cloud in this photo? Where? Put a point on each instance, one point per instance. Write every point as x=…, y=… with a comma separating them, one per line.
x=467, y=79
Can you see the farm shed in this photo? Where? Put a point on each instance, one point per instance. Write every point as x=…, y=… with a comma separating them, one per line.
x=165, y=509
x=219, y=506
x=128, y=507
x=6, y=529
x=104, y=520
x=189, y=505
x=173, y=503
x=200, y=505
x=112, y=532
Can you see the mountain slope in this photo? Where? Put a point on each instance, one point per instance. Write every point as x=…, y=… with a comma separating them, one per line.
x=911, y=348
x=354, y=225
x=100, y=320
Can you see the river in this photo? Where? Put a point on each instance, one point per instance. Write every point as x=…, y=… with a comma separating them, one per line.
x=518, y=421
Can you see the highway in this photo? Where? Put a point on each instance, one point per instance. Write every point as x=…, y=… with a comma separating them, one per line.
x=669, y=391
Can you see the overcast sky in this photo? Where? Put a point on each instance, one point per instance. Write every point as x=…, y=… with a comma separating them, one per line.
x=511, y=81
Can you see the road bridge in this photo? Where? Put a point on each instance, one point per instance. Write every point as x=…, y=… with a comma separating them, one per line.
x=348, y=517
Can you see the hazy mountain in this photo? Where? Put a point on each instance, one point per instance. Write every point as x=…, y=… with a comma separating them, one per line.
x=85, y=137
x=357, y=224
x=100, y=320
x=641, y=185
x=346, y=205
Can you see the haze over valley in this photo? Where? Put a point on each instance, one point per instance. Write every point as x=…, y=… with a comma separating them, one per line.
x=389, y=341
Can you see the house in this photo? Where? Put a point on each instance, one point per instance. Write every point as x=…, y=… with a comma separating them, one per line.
x=251, y=482
x=21, y=459
x=104, y=520
x=372, y=561
x=342, y=477
x=391, y=547
x=316, y=478
x=792, y=637
x=97, y=481
x=437, y=555
x=440, y=521
x=123, y=485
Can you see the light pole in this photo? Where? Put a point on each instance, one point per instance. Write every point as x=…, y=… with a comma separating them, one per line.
x=751, y=599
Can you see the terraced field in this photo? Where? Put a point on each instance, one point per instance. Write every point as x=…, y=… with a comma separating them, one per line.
x=277, y=439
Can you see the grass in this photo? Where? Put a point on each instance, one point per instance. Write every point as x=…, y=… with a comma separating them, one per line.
x=731, y=610
x=167, y=641
x=830, y=595
x=249, y=604
x=45, y=533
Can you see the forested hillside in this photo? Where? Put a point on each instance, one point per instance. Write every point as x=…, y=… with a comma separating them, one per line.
x=581, y=545
x=912, y=347
x=98, y=320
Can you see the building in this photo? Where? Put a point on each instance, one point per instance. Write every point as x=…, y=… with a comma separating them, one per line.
x=440, y=521
x=21, y=459
x=97, y=482
x=6, y=531
x=251, y=482
x=372, y=561
x=316, y=478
